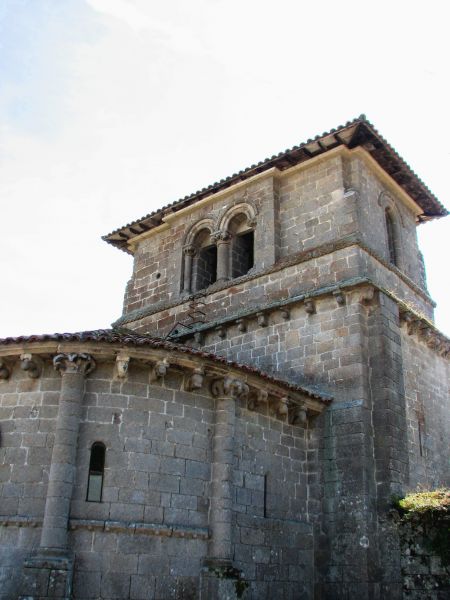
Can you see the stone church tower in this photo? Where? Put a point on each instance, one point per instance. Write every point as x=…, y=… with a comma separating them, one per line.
x=274, y=380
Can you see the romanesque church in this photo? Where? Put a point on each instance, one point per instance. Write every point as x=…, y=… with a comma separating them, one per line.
x=274, y=380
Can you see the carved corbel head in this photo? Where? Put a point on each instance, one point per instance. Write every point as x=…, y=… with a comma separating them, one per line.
x=285, y=314
x=159, y=370
x=340, y=297
x=310, y=306
x=221, y=332
x=229, y=387
x=122, y=364
x=199, y=336
x=262, y=319
x=282, y=407
x=4, y=371
x=298, y=415
x=366, y=295
x=32, y=365
x=257, y=397
x=241, y=325
x=195, y=381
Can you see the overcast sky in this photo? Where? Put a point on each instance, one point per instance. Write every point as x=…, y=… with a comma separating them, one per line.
x=110, y=109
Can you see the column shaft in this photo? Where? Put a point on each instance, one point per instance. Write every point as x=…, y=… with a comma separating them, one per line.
x=62, y=469
x=223, y=260
x=221, y=481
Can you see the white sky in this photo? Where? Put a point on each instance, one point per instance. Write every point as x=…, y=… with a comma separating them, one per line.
x=112, y=108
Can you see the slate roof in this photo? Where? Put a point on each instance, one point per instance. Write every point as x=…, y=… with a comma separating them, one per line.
x=127, y=338
x=358, y=132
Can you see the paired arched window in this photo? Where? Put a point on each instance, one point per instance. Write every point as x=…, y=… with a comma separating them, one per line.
x=221, y=255
x=96, y=472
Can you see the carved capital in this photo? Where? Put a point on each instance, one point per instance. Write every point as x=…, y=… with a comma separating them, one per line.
x=221, y=236
x=4, y=370
x=74, y=363
x=195, y=381
x=189, y=250
x=122, y=364
x=229, y=387
x=257, y=397
x=32, y=365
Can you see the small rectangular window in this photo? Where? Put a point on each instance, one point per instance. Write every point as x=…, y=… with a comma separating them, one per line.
x=96, y=472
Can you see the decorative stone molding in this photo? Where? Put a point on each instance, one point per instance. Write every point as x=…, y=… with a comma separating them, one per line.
x=74, y=363
x=122, y=365
x=32, y=365
x=310, y=306
x=195, y=381
x=229, y=387
x=4, y=370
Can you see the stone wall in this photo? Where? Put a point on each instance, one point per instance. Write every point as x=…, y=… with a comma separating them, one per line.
x=425, y=573
x=428, y=411
x=149, y=536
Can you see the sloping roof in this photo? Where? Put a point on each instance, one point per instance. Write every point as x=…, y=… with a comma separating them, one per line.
x=359, y=132
x=112, y=336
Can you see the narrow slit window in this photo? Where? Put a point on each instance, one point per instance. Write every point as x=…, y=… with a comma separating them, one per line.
x=96, y=472
x=390, y=231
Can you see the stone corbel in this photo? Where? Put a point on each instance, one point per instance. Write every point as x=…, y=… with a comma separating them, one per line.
x=256, y=398
x=366, y=295
x=262, y=319
x=195, y=381
x=32, y=365
x=310, y=306
x=281, y=407
x=285, y=314
x=4, y=370
x=340, y=297
x=241, y=325
x=122, y=365
x=221, y=332
x=199, y=337
x=298, y=414
x=159, y=370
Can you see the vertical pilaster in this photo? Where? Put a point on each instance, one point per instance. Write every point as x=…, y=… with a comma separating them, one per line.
x=49, y=572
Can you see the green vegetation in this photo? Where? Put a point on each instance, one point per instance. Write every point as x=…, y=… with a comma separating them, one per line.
x=420, y=502
x=430, y=511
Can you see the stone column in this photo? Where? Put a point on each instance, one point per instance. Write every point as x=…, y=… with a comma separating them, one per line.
x=223, y=240
x=189, y=252
x=219, y=577
x=50, y=570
